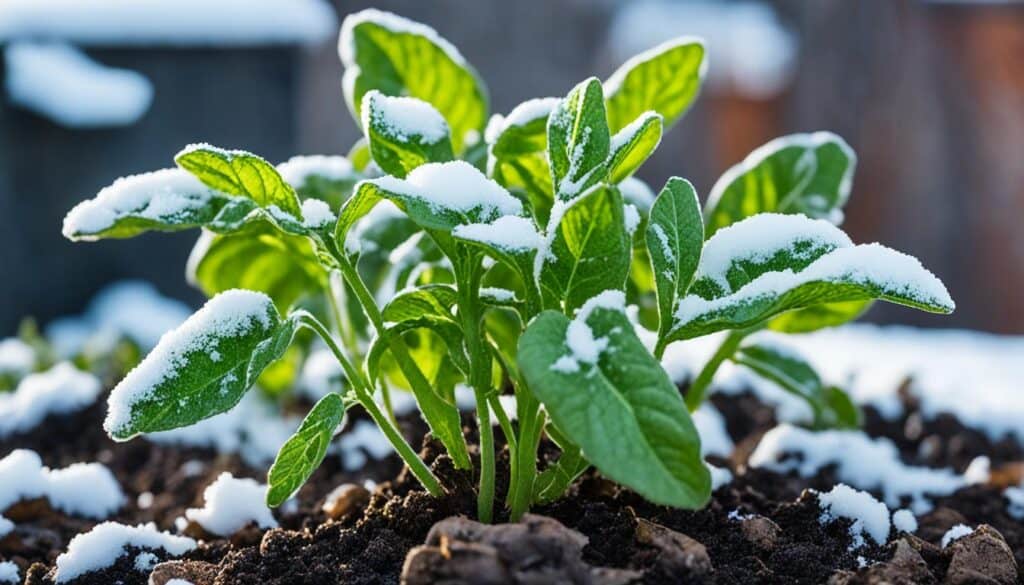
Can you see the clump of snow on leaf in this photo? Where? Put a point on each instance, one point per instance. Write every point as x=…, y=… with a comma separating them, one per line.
x=316, y=213
x=583, y=346
x=159, y=195
x=231, y=504
x=298, y=169
x=403, y=117
x=105, y=543
x=454, y=185
x=520, y=115
x=869, y=516
x=81, y=489
x=231, y=313
x=60, y=390
x=510, y=233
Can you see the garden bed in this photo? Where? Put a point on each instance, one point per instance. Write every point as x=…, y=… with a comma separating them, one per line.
x=765, y=525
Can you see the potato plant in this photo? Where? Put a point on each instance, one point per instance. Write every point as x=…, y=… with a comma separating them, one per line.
x=502, y=255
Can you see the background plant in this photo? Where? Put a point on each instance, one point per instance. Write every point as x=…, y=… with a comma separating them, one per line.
x=502, y=257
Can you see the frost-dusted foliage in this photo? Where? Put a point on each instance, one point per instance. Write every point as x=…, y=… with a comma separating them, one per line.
x=448, y=251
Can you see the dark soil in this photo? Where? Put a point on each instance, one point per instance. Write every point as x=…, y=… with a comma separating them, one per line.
x=762, y=528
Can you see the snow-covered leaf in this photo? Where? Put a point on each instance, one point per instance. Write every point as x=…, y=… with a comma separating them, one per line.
x=202, y=368
x=302, y=452
x=241, y=173
x=665, y=79
x=801, y=173
x=404, y=133
x=578, y=140
x=282, y=266
x=768, y=264
x=631, y=146
x=397, y=56
x=607, y=394
x=831, y=406
x=327, y=178
x=675, y=236
x=511, y=239
x=437, y=196
x=587, y=249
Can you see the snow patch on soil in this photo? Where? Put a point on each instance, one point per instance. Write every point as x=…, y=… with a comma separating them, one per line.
x=869, y=516
x=363, y=439
x=904, y=520
x=955, y=533
x=60, y=390
x=106, y=542
x=231, y=504
x=9, y=572
x=88, y=490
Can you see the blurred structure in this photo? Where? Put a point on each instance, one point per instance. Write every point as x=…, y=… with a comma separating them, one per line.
x=929, y=94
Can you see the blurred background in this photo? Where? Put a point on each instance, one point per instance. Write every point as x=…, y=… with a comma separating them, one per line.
x=929, y=93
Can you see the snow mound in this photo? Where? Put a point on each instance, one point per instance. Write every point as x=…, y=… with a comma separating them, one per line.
x=231, y=504
x=106, y=542
x=60, y=390
x=869, y=516
x=17, y=358
x=81, y=489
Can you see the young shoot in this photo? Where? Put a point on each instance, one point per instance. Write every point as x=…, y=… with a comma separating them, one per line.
x=500, y=259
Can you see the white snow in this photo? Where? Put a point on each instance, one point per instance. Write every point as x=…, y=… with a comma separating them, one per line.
x=520, y=115
x=583, y=347
x=129, y=308
x=760, y=237
x=17, y=358
x=316, y=213
x=145, y=561
x=364, y=438
x=719, y=476
x=180, y=23
x=6, y=526
x=509, y=233
x=230, y=313
x=230, y=504
x=106, y=542
x=321, y=374
x=632, y=218
x=59, y=390
x=1015, y=498
x=749, y=50
x=955, y=533
x=9, y=572
x=59, y=82
x=82, y=489
x=178, y=582
x=298, y=169
x=403, y=117
x=860, y=461
x=159, y=195
x=714, y=439
x=499, y=295
x=869, y=516
x=454, y=185
x=895, y=272
x=393, y=23
x=904, y=521
x=384, y=211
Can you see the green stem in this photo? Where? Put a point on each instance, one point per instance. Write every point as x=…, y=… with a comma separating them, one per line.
x=530, y=427
x=698, y=389
x=364, y=393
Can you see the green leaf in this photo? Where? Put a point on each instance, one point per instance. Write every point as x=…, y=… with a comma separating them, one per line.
x=302, y=453
x=517, y=152
x=397, y=57
x=512, y=240
x=619, y=406
x=578, y=140
x=589, y=250
x=237, y=172
x=631, y=146
x=282, y=266
x=404, y=133
x=675, y=236
x=831, y=406
x=769, y=264
x=359, y=154
x=167, y=200
x=818, y=317
x=665, y=79
x=446, y=329
x=202, y=368
x=431, y=300
x=801, y=173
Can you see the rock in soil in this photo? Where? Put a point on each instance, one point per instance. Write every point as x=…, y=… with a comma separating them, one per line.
x=981, y=557
x=537, y=549
x=346, y=500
